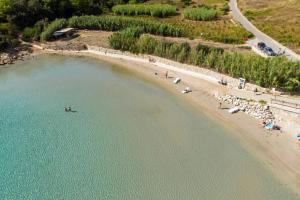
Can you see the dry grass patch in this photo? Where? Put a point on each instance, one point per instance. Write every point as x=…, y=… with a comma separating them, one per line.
x=280, y=19
x=221, y=30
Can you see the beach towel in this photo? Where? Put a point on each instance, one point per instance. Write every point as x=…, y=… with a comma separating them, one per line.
x=269, y=126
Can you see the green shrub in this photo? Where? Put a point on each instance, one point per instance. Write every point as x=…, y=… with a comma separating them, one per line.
x=200, y=14
x=39, y=27
x=4, y=28
x=262, y=102
x=28, y=33
x=154, y=10
x=245, y=47
x=51, y=28
x=7, y=41
x=186, y=2
x=4, y=42
x=226, y=8
x=33, y=33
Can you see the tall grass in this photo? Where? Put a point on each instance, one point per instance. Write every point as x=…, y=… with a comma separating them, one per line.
x=154, y=10
x=51, y=28
x=266, y=72
x=126, y=39
x=115, y=23
x=200, y=14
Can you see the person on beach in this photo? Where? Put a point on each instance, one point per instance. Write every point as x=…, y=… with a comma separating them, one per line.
x=166, y=74
x=220, y=105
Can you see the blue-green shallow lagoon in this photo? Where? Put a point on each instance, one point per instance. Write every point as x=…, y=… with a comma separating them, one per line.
x=129, y=139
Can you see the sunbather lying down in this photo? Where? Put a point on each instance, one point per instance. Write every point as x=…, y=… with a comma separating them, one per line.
x=270, y=126
x=186, y=90
x=222, y=82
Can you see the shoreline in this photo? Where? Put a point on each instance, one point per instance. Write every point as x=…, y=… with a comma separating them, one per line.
x=276, y=152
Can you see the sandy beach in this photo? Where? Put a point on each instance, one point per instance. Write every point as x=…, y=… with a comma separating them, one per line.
x=279, y=152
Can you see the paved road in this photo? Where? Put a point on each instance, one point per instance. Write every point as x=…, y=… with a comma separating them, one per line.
x=260, y=36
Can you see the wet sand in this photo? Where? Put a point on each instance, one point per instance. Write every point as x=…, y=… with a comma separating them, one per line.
x=278, y=151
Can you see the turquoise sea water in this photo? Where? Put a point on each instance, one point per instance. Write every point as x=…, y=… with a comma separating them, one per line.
x=129, y=139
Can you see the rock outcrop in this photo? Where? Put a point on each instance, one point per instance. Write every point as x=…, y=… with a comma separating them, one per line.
x=258, y=110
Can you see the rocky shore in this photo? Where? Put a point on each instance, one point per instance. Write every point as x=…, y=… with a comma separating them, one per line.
x=66, y=47
x=258, y=110
x=12, y=55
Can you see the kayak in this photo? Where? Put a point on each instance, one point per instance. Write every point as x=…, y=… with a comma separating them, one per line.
x=233, y=110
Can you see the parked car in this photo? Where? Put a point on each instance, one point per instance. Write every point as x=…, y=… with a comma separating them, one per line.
x=261, y=45
x=269, y=51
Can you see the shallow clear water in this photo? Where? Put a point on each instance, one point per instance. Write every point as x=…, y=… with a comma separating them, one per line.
x=129, y=139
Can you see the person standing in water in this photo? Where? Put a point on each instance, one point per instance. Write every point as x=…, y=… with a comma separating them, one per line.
x=68, y=109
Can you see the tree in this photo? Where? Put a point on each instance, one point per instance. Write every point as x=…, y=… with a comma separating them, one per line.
x=4, y=5
x=25, y=12
x=58, y=8
x=88, y=7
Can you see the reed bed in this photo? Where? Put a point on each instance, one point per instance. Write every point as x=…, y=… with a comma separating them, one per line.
x=266, y=72
x=51, y=28
x=200, y=14
x=154, y=10
x=113, y=23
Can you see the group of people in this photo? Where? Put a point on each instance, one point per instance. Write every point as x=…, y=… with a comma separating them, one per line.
x=270, y=125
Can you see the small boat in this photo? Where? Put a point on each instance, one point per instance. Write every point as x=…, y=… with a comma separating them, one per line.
x=177, y=80
x=233, y=110
x=186, y=90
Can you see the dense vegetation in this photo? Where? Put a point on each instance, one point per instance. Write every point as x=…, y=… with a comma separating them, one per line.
x=126, y=39
x=113, y=23
x=23, y=13
x=200, y=14
x=7, y=37
x=34, y=33
x=276, y=72
x=7, y=41
x=154, y=10
x=51, y=28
